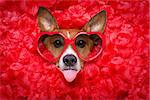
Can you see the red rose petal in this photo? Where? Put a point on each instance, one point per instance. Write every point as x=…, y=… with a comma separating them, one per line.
x=120, y=72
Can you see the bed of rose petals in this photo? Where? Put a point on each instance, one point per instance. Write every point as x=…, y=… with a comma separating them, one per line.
x=121, y=72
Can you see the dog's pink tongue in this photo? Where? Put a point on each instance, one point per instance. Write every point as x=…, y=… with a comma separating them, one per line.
x=70, y=75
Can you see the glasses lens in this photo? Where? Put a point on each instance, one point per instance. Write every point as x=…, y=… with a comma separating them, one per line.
x=51, y=46
x=88, y=46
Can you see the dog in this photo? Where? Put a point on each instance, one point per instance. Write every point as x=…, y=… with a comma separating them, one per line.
x=69, y=62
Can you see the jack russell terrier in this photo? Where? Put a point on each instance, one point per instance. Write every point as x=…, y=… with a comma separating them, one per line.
x=69, y=49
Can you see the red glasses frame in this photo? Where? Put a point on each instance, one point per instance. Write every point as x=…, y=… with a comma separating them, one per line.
x=68, y=42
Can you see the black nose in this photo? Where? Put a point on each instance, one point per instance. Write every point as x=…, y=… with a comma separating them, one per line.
x=70, y=60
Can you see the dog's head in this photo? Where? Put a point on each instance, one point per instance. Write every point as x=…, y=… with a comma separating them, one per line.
x=70, y=62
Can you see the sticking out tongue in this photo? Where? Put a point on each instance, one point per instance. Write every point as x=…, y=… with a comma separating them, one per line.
x=70, y=75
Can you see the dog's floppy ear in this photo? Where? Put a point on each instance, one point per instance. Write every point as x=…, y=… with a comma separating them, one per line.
x=46, y=20
x=96, y=23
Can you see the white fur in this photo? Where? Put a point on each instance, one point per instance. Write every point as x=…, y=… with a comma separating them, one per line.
x=69, y=50
x=68, y=35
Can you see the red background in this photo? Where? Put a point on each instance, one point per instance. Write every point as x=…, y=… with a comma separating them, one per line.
x=121, y=72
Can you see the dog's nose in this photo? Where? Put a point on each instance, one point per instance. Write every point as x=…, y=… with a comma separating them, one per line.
x=70, y=60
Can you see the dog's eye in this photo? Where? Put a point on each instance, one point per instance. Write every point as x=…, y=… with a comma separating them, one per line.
x=81, y=43
x=57, y=43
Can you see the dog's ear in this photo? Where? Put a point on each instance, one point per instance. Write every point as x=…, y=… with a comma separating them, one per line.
x=46, y=20
x=96, y=23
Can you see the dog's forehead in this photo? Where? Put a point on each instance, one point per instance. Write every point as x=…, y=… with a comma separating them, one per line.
x=70, y=33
